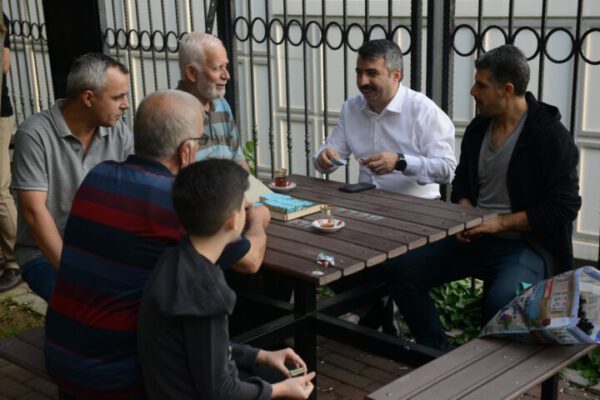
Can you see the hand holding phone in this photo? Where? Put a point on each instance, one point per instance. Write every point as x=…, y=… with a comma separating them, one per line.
x=357, y=187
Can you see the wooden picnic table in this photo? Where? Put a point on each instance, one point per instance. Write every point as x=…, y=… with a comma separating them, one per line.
x=379, y=225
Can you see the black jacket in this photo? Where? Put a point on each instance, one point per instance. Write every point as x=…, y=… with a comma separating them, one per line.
x=541, y=180
x=183, y=338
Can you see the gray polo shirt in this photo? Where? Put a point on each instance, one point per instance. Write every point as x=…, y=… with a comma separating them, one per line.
x=49, y=158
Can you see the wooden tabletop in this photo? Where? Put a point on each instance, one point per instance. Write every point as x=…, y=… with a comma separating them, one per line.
x=379, y=225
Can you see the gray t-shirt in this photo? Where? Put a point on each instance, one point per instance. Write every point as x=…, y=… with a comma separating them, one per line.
x=492, y=169
x=49, y=158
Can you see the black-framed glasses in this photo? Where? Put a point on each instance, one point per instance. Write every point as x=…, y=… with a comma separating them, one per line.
x=202, y=140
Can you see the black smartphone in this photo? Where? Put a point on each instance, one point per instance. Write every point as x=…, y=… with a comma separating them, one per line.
x=357, y=187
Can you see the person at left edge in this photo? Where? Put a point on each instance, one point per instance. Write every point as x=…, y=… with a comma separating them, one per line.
x=55, y=149
x=10, y=274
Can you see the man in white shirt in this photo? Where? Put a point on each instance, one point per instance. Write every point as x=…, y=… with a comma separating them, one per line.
x=403, y=140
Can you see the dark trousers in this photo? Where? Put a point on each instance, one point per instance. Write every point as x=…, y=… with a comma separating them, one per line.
x=504, y=263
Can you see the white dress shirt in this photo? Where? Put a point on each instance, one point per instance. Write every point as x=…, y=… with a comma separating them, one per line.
x=411, y=124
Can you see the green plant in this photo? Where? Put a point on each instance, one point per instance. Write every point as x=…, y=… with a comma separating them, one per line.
x=325, y=292
x=589, y=366
x=15, y=318
x=248, y=150
x=459, y=306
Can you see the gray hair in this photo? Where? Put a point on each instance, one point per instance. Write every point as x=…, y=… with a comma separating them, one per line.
x=165, y=119
x=88, y=72
x=389, y=50
x=192, y=46
x=507, y=64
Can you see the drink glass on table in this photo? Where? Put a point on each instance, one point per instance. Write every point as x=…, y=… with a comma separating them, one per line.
x=326, y=216
x=281, y=177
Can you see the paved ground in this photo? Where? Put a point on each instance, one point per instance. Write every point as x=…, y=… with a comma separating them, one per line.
x=343, y=372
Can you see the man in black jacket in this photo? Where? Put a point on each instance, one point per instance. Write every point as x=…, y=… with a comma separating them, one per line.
x=519, y=160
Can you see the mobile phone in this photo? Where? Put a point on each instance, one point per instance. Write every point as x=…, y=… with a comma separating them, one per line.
x=357, y=187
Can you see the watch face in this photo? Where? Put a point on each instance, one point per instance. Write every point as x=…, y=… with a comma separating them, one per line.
x=401, y=163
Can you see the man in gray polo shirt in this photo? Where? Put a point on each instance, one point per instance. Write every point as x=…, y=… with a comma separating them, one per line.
x=55, y=149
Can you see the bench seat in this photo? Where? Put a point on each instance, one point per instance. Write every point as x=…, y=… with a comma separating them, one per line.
x=485, y=369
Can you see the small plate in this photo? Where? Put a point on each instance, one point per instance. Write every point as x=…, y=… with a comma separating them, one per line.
x=337, y=225
x=282, y=189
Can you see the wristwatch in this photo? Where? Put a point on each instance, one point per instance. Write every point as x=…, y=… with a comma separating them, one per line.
x=401, y=163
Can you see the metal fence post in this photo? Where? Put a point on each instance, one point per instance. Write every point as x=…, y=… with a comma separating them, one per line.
x=225, y=20
x=73, y=28
x=440, y=24
x=416, y=24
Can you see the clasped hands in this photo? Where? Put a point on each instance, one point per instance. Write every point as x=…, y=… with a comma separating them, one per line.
x=379, y=163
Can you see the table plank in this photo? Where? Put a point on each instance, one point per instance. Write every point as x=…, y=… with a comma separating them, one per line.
x=484, y=214
x=396, y=201
x=392, y=248
x=305, y=234
x=410, y=240
x=451, y=227
x=300, y=268
x=345, y=264
x=431, y=234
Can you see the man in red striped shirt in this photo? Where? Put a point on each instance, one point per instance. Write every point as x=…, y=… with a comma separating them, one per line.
x=121, y=221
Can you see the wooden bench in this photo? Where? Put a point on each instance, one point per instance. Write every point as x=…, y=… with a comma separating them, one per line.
x=27, y=351
x=485, y=369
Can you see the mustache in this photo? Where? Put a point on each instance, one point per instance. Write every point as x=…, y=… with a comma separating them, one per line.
x=367, y=87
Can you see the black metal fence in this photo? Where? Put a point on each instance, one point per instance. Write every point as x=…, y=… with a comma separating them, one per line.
x=537, y=34
x=29, y=79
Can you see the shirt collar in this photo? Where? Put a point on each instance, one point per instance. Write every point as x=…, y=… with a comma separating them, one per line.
x=59, y=120
x=61, y=124
x=152, y=166
x=393, y=106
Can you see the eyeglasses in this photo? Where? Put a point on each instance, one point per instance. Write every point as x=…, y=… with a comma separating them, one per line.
x=202, y=140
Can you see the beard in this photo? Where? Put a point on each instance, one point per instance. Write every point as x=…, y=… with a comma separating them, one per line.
x=210, y=91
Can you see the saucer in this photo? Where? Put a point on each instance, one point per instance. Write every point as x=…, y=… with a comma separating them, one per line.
x=282, y=189
x=337, y=225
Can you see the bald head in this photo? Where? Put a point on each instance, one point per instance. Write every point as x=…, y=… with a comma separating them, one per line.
x=163, y=121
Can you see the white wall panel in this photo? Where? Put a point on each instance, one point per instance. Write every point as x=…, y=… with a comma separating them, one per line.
x=588, y=221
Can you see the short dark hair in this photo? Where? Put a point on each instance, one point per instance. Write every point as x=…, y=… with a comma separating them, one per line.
x=206, y=193
x=507, y=64
x=88, y=72
x=389, y=50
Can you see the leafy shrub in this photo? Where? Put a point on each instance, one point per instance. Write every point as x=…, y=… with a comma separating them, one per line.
x=459, y=306
x=248, y=150
x=589, y=366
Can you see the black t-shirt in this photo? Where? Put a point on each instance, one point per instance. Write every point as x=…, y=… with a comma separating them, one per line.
x=6, y=110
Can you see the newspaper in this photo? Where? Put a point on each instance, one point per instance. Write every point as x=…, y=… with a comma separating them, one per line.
x=564, y=309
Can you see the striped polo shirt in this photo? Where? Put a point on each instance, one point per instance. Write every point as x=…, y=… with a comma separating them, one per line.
x=223, y=136
x=121, y=221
